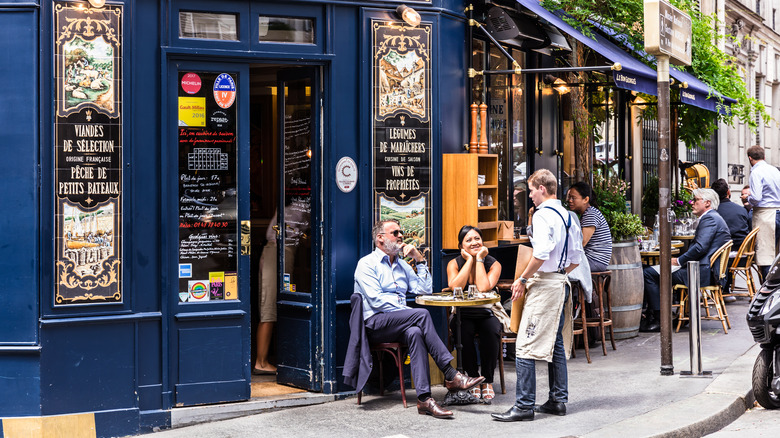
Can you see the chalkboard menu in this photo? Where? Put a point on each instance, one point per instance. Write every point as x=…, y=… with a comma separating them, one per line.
x=88, y=153
x=208, y=227
x=402, y=128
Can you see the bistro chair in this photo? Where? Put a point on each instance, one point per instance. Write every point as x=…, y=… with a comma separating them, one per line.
x=395, y=349
x=746, y=258
x=713, y=292
x=580, y=323
x=602, y=292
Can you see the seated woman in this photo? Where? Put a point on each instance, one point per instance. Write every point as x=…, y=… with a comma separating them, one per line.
x=596, y=238
x=475, y=266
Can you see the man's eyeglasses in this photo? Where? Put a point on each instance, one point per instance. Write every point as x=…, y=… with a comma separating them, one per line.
x=395, y=233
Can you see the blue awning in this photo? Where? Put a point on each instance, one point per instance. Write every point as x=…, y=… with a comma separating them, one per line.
x=692, y=90
x=634, y=75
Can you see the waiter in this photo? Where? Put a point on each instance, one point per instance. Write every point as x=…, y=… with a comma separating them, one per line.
x=557, y=242
x=765, y=198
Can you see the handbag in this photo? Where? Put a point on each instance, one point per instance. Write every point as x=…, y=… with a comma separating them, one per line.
x=524, y=255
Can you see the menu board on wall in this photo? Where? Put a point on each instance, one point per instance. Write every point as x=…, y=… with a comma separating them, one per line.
x=88, y=153
x=402, y=128
x=208, y=227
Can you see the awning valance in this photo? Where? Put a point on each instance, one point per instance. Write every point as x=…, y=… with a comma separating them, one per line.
x=692, y=90
x=634, y=75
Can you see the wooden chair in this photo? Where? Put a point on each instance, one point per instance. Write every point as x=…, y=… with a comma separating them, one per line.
x=602, y=291
x=506, y=338
x=395, y=349
x=581, y=328
x=712, y=293
x=745, y=257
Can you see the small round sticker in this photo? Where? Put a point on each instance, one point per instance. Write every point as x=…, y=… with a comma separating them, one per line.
x=224, y=90
x=346, y=174
x=190, y=83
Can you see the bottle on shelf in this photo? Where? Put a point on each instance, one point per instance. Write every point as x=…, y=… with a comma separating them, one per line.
x=656, y=232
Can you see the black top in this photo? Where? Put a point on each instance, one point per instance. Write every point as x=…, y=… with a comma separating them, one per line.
x=489, y=260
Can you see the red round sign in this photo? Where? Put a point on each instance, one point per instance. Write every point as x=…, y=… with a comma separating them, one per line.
x=190, y=83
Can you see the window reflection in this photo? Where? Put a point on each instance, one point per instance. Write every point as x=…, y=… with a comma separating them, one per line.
x=209, y=26
x=286, y=30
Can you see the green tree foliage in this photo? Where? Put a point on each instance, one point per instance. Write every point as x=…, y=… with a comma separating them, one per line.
x=709, y=63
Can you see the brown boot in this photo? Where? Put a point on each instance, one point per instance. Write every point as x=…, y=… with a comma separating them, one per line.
x=430, y=407
x=462, y=382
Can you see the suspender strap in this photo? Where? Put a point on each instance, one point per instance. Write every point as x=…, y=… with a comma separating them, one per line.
x=565, y=253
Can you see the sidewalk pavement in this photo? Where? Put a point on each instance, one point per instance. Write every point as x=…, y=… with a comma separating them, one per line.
x=621, y=394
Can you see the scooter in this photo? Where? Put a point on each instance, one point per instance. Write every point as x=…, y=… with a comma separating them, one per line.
x=763, y=319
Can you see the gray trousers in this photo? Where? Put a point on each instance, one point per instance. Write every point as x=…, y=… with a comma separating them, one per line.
x=414, y=328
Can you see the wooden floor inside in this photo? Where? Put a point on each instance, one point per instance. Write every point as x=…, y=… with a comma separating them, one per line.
x=266, y=386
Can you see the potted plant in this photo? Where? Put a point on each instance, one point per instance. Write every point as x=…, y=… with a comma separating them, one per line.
x=610, y=194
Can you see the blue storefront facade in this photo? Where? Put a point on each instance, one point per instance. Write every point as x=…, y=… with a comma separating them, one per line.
x=153, y=147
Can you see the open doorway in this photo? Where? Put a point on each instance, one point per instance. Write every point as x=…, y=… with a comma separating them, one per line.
x=282, y=150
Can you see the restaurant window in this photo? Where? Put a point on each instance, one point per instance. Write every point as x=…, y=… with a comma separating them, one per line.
x=208, y=26
x=603, y=111
x=519, y=164
x=498, y=135
x=286, y=30
x=505, y=98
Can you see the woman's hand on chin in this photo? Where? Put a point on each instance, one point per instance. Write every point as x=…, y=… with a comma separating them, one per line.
x=465, y=254
x=483, y=252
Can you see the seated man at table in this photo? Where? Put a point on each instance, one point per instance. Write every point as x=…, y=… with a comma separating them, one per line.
x=383, y=279
x=711, y=234
x=736, y=217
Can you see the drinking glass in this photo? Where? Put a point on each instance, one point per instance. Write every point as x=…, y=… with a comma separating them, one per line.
x=457, y=293
x=472, y=291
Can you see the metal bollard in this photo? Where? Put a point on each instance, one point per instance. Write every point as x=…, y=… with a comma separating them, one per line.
x=695, y=323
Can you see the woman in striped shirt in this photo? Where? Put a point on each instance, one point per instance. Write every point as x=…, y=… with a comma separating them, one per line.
x=596, y=238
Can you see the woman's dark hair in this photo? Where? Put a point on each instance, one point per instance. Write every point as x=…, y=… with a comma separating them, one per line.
x=465, y=230
x=585, y=191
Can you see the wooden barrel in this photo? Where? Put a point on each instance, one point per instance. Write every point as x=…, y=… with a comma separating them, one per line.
x=627, y=289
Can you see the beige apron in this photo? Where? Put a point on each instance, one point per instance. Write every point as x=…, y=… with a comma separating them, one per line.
x=541, y=315
x=764, y=217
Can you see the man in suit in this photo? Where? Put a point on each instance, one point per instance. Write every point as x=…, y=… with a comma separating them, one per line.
x=711, y=234
x=736, y=217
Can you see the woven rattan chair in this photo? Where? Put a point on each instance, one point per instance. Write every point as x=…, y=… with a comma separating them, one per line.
x=713, y=292
x=742, y=266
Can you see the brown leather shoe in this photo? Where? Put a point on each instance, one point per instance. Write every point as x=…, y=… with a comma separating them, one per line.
x=430, y=407
x=463, y=382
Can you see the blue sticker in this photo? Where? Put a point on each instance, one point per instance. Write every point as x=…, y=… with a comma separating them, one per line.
x=185, y=270
x=224, y=90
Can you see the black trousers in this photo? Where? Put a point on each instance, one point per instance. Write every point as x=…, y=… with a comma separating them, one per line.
x=481, y=323
x=414, y=328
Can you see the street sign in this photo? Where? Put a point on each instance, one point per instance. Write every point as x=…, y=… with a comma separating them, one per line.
x=667, y=32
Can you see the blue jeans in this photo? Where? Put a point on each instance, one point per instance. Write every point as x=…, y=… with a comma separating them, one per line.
x=558, y=376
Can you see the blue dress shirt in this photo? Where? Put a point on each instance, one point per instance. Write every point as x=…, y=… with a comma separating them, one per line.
x=384, y=286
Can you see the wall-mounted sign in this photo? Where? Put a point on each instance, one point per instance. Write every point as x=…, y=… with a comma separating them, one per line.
x=88, y=153
x=346, y=174
x=208, y=205
x=402, y=127
x=668, y=32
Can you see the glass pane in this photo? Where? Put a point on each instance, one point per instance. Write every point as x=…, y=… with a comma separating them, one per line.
x=286, y=30
x=297, y=184
x=498, y=134
x=519, y=153
x=208, y=26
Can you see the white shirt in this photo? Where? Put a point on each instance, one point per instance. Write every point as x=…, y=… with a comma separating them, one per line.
x=548, y=236
x=764, y=185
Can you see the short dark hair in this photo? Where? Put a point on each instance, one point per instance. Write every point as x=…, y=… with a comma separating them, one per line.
x=721, y=187
x=585, y=191
x=465, y=230
x=756, y=152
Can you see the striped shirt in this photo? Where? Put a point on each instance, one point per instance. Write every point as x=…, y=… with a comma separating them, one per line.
x=599, y=248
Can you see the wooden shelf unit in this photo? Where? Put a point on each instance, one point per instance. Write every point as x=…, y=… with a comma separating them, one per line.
x=460, y=194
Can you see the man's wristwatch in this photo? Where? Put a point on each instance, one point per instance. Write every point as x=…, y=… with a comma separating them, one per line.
x=523, y=280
